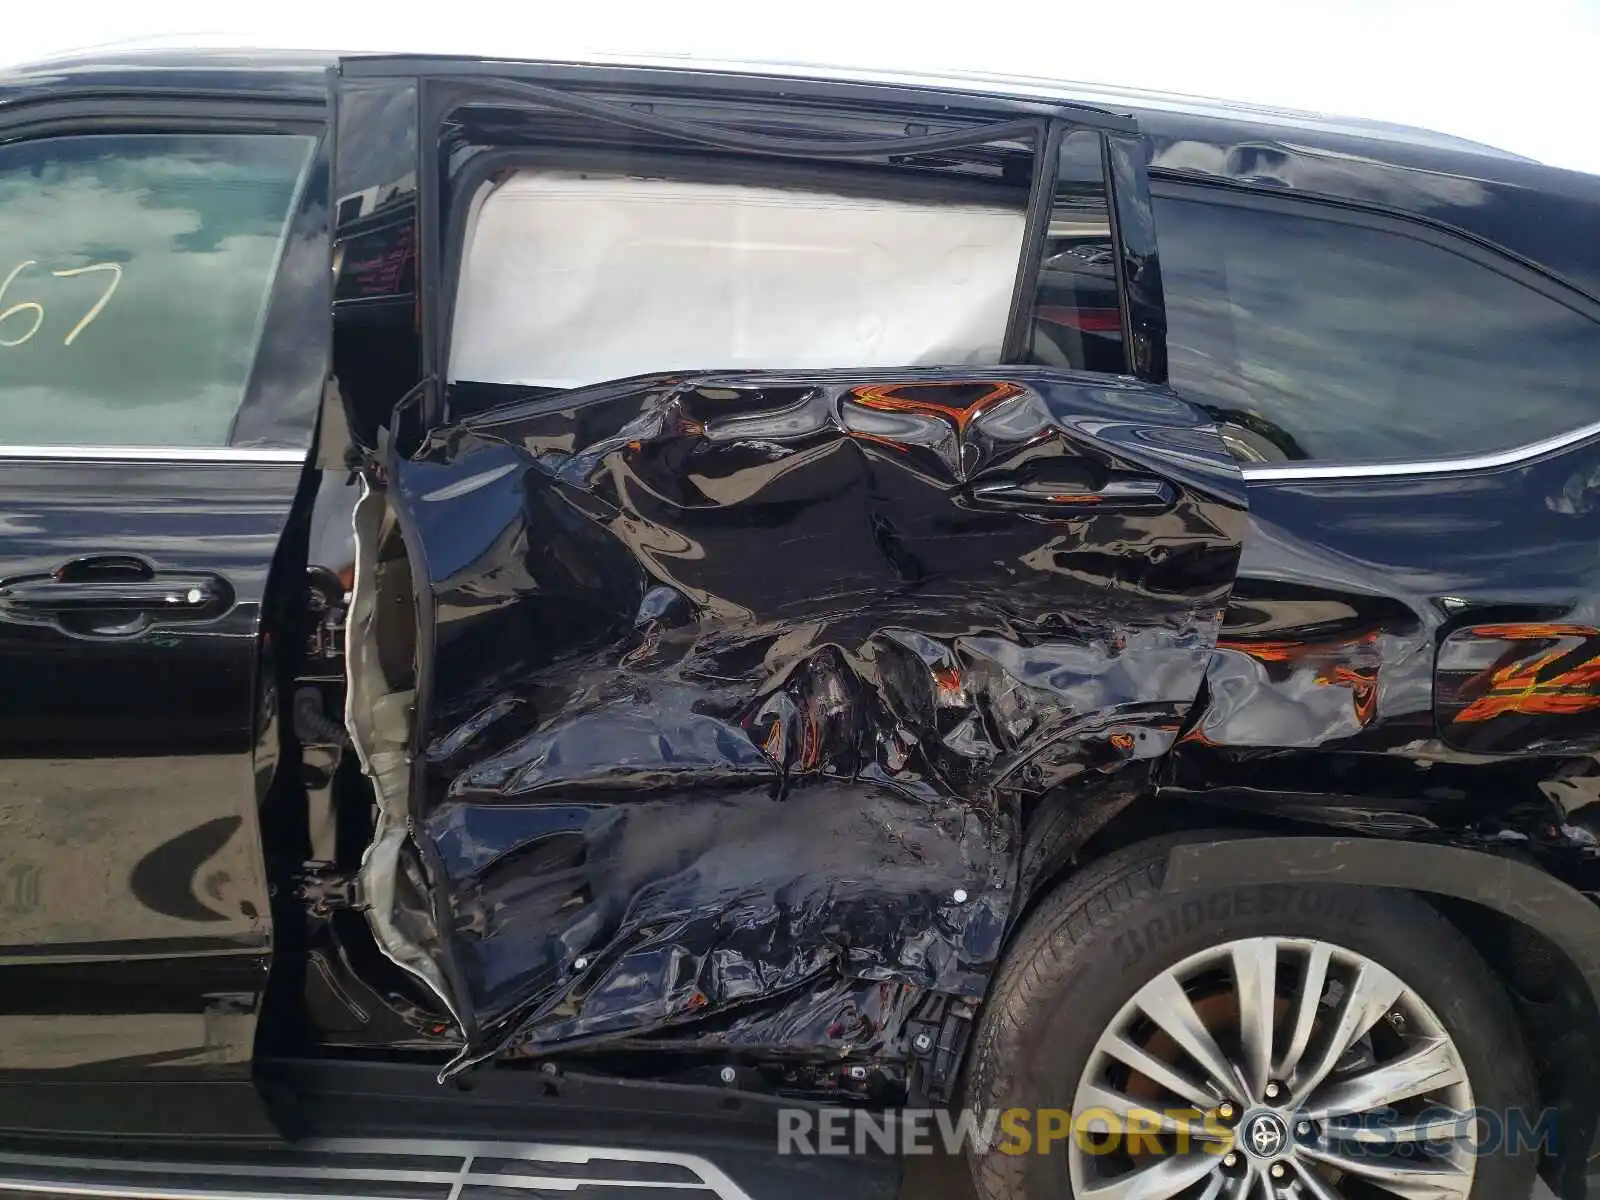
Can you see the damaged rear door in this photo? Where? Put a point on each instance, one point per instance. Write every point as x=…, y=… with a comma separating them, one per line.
x=804, y=550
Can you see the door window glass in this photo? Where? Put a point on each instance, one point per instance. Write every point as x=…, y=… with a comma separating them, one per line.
x=136, y=269
x=1318, y=338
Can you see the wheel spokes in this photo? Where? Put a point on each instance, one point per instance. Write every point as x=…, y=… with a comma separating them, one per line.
x=1441, y=1178
x=1309, y=999
x=1252, y=1185
x=1255, y=974
x=1137, y=1116
x=1164, y=1001
x=1429, y=1067
x=1316, y=1186
x=1232, y=1187
x=1342, y=1067
x=1372, y=993
x=1163, y=1179
x=1152, y=1068
x=1447, y=1126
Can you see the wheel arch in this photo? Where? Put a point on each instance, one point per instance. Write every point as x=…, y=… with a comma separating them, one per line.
x=1525, y=894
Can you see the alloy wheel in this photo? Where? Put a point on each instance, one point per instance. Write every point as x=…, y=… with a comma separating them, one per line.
x=1274, y=1068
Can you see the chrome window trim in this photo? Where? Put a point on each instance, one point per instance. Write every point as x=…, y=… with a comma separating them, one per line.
x=238, y=455
x=1427, y=466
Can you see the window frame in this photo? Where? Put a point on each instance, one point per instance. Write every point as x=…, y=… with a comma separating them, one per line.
x=447, y=192
x=492, y=162
x=1474, y=250
x=444, y=85
x=210, y=114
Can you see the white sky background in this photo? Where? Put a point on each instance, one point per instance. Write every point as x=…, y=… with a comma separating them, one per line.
x=1520, y=74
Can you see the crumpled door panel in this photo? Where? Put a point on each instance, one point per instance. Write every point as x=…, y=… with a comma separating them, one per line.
x=748, y=691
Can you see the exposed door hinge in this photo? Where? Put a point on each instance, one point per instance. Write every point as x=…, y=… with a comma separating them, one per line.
x=322, y=888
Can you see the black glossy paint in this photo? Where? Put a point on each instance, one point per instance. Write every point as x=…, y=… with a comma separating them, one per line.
x=135, y=938
x=749, y=691
x=837, y=740
x=1319, y=704
x=376, y=349
x=1354, y=668
x=139, y=745
x=1540, y=214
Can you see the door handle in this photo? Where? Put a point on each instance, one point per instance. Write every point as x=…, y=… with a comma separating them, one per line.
x=1056, y=498
x=113, y=595
x=167, y=595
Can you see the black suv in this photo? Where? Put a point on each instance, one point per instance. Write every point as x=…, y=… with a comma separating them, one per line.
x=558, y=615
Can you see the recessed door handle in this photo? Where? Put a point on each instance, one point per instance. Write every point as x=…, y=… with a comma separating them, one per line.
x=170, y=595
x=1061, y=499
x=113, y=595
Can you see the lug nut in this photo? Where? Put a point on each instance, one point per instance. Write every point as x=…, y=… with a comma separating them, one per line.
x=1278, y=1171
x=1303, y=1129
x=1230, y=1159
x=1225, y=1111
x=728, y=1074
x=1273, y=1091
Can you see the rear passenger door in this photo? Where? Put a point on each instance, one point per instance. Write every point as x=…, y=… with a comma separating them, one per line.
x=163, y=339
x=776, y=440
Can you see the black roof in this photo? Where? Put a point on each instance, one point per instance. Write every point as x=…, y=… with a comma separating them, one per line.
x=1546, y=215
x=284, y=75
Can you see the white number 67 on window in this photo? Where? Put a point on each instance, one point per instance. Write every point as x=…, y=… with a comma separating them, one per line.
x=37, y=309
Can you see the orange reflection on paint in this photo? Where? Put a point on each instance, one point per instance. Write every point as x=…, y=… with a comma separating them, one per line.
x=1531, y=686
x=1351, y=663
x=810, y=742
x=1363, y=685
x=948, y=682
x=1290, y=650
x=1517, y=633
x=915, y=398
x=773, y=746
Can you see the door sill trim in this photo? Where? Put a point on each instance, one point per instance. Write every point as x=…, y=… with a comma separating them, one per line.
x=377, y=1169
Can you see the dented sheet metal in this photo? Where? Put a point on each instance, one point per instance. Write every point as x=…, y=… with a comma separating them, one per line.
x=750, y=692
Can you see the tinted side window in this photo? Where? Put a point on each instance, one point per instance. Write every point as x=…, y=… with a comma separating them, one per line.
x=136, y=269
x=1311, y=337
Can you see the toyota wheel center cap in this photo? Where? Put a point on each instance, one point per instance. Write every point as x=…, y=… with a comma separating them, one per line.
x=1265, y=1135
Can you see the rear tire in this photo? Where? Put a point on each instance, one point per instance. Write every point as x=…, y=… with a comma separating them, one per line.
x=1076, y=966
